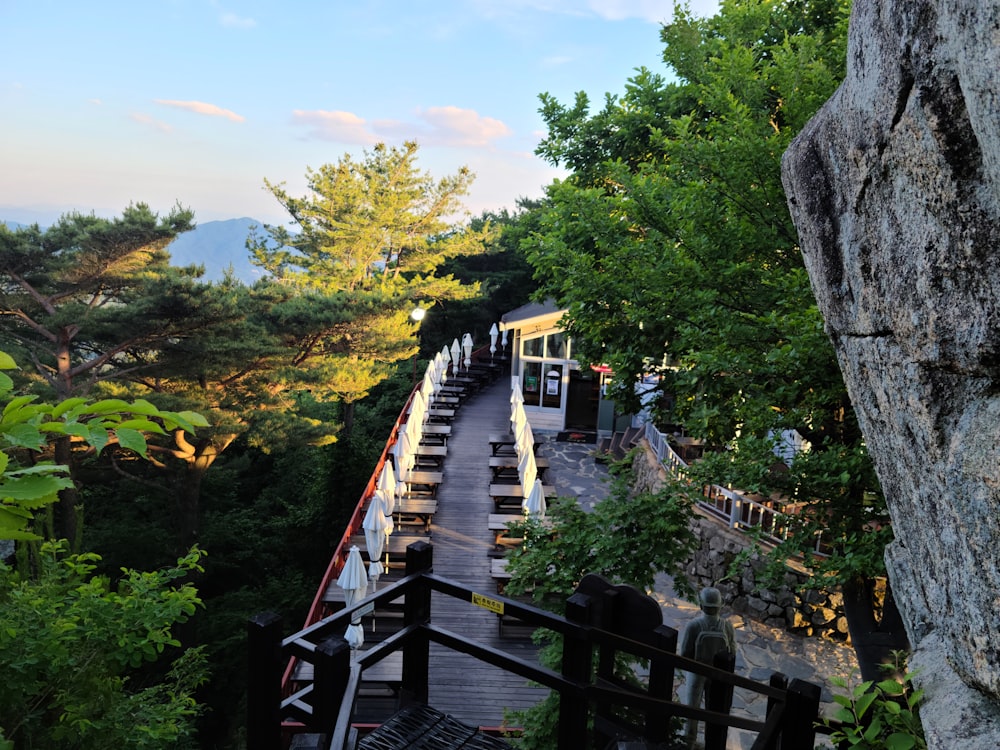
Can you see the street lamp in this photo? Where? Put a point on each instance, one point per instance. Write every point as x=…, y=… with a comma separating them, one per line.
x=417, y=315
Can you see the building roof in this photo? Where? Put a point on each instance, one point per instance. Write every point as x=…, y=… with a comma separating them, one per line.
x=530, y=311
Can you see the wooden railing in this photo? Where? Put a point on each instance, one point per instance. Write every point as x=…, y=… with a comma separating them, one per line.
x=318, y=610
x=736, y=509
x=326, y=704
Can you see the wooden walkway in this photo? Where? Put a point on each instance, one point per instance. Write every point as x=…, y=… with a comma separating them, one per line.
x=469, y=690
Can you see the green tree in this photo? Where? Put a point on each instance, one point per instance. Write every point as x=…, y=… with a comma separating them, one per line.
x=368, y=239
x=503, y=273
x=628, y=538
x=91, y=300
x=71, y=645
x=671, y=246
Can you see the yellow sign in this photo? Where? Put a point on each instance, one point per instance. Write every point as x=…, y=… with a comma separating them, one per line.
x=493, y=605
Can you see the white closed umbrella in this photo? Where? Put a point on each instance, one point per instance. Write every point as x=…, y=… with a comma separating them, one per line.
x=387, y=489
x=456, y=356
x=525, y=439
x=494, y=332
x=518, y=419
x=534, y=503
x=354, y=581
x=527, y=471
x=427, y=386
x=467, y=349
x=516, y=396
x=377, y=527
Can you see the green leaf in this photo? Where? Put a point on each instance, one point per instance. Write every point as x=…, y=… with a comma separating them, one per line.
x=194, y=418
x=900, y=741
x=16, y=403
x=33, y=490
x=892, y=707
x=142, y=406
x=891, y=687
x=873, y=730
x=864, y=703
x=7, y=362
x=64, y=406
x=97, y=436
x=132, y=439
x=141, y=425
x=24, y=436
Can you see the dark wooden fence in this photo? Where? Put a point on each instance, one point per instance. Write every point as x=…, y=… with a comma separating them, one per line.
x=601, y=622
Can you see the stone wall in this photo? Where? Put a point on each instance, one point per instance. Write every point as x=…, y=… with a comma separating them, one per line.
x=792, y=606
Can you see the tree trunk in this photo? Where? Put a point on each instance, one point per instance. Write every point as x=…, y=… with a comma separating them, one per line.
x=67, y=513
x=348, y=414
x=189, y=496
x=874, y=640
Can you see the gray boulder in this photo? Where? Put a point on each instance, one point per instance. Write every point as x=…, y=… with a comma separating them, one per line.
x=895, y=190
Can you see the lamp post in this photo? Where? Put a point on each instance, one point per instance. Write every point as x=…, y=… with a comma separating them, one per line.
x=417, y=315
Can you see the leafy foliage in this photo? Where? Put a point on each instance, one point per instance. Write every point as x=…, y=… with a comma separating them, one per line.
x=878, y=715
x=26, y=425
x=627, y=538
x=72, y=648
x=672, y=248
x=370, y=238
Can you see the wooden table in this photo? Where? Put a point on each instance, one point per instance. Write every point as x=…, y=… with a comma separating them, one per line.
x=422, y=483
x=506, y=465
x=505, y=443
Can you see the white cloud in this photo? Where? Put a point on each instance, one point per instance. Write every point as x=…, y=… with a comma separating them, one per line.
x=453, y=126
x=654, y=11
x=344, y=127
x=433, y=126
x=233, y=21
x=143, y=119
x=202, y=108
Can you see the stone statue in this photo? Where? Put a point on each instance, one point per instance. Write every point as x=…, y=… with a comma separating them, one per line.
x=704, y=637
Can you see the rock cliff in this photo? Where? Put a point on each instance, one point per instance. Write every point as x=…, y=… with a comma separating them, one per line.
x=895, y=190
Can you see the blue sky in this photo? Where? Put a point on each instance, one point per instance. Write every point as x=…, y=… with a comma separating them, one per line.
x=198, y=101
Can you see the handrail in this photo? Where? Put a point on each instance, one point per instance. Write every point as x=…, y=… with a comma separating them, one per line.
x=578, y=688
x=736, y=509
x=339, y=556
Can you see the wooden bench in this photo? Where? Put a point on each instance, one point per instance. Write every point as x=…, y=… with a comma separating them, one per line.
x=395, y=549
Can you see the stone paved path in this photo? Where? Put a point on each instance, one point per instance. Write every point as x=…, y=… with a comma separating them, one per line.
x=762, y=649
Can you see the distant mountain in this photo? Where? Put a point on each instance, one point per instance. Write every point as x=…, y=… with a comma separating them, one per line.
x=217, y=245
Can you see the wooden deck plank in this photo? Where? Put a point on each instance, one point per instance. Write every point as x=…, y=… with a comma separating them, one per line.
x=471, y=691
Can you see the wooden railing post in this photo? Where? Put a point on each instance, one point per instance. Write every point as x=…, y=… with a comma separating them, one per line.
x=577, y=662
x=416, y=609
x=264, y=667
x=661, y=683
x=780, y=681
x=332, y=665
x=719, y=697
x=802, y=712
